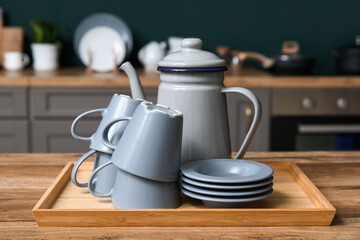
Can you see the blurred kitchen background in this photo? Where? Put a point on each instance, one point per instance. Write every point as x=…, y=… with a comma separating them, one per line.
x=35, y=116
x=261, y=26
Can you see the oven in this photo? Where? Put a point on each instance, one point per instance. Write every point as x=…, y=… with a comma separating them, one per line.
x=315, y=119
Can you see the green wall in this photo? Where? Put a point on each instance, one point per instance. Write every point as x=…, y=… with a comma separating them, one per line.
x=251, y=25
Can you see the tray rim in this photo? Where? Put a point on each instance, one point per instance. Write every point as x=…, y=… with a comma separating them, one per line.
x=321, y=204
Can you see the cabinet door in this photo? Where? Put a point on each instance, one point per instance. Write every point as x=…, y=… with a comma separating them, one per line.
x=14, y=136
x=241, y=115
x=70, y=102
x=55, y=137
x=151, y=94
x=13, y=102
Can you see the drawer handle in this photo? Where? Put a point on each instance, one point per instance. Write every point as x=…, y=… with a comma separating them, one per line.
x=329, y=128
x=73, y=126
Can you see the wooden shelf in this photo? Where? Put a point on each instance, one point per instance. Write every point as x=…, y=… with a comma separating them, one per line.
x=77, y=77
x=73, y=77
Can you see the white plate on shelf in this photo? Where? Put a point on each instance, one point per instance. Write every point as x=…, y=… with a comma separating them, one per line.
x=103, y=31
x=104, y=46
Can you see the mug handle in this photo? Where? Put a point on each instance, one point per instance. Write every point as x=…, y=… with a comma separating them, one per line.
x=73, y=125
x=25, y=59
x=91, y=185
x=107, y=129
x=77, y=166
x=256, y=121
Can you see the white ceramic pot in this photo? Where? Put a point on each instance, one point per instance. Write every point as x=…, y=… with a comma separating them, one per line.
x=151, y=54
x=45, y=56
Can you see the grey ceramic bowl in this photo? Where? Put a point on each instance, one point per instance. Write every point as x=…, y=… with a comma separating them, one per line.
x=226, y=202
x=226, y=193
x=227, y=186
x=227, y=171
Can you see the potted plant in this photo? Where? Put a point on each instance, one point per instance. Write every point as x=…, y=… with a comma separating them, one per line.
x=45, y=46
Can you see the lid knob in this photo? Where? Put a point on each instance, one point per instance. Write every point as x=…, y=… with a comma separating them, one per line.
x=191, y=43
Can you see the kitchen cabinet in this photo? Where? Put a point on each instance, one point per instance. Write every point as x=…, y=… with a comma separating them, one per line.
x=39, y=119
x=54, y=109
x=241, y=115
x=58, y=103
x=14, y=136
x=14, y=130
x=70, y=102
x=28, y=98
x=53, y=136
x=13, y=102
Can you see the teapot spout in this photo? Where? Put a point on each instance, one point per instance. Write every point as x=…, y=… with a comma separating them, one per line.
x=137, y=90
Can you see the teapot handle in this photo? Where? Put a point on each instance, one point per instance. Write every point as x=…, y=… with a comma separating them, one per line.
x=256, y=121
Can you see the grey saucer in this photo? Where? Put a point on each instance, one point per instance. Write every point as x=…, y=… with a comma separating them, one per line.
x=104, y=19
x=226, y=202
x=227, y=186
x=224, y=193
x=227, y=171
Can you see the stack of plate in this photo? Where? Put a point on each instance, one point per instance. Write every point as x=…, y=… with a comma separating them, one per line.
x=225, y=183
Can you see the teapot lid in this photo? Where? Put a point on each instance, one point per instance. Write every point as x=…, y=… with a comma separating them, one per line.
x=192, y=58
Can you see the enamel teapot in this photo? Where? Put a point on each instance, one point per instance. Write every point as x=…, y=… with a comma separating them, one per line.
x=192, y=82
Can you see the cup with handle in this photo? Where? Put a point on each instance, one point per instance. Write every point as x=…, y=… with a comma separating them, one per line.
x=14, y=61
x=150, y=146
x=134, y=192
x=120, y=105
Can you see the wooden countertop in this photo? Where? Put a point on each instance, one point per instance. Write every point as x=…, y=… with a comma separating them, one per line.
x=25, y=177
x=77, y=77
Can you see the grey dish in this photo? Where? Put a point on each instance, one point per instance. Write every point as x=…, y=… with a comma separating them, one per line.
x=224, y=193
x=226, y=202
x=227, y=186
x=227, y=171
x=104, y=19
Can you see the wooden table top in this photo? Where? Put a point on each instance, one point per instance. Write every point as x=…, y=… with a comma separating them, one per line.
x=25, y=177
x=248, y=77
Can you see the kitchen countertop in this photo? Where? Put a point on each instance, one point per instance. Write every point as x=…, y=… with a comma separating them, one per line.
x=77, y=77
x=25, y=177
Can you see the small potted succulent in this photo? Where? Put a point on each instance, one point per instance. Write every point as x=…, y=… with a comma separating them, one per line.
x=45, y=46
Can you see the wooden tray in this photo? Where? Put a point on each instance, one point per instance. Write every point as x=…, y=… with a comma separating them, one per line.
x=295, y=201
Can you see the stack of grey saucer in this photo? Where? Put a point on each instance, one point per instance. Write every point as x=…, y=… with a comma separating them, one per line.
x=226, y=183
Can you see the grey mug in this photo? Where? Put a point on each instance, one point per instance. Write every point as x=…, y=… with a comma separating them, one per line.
x=133, y=192
x=119, y=106
x=150, y=146
x=104, y=181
